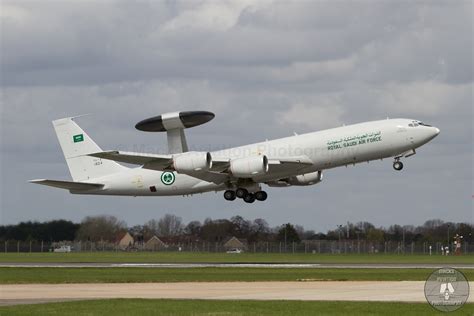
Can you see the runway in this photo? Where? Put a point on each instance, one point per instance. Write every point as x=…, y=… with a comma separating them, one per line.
x=395, y=291
x=235, y=265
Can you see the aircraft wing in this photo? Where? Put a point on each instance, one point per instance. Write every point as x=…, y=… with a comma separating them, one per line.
x=149, y=161
x=155, y=162
x=219, y=173
x=69, y=185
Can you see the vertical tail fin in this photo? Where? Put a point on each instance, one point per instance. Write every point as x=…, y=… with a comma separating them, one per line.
x=75, y=143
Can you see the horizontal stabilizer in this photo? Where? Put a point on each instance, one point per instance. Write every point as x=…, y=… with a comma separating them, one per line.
x=149, y=161
x=69, y=185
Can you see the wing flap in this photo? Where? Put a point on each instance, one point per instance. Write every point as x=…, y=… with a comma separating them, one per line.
x=69, y=185
x=210, y=176
x=220, y=165
x=288, y=165
x=298, y=160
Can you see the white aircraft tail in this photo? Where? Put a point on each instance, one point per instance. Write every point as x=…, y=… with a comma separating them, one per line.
x=75, y=144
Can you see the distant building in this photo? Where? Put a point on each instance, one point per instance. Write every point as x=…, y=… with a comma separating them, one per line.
x=235, y=243
x=155, y=243
x=125, y=241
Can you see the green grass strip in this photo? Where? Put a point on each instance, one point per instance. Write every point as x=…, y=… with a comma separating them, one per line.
x=140, y=275
x=228, y=308
x=202, y=257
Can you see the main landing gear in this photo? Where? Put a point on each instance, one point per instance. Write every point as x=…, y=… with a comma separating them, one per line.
x=229, y=195
x=397, y=165
x=244, y=194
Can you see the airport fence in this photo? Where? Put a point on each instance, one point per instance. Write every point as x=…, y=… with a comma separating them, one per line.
x=307, y=246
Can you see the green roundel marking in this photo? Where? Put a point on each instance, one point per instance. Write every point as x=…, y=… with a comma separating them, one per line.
x=167, y=178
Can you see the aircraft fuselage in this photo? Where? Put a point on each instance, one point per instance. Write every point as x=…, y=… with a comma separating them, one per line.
x=326, y=149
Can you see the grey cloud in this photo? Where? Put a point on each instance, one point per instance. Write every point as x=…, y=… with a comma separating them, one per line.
x=78, y=43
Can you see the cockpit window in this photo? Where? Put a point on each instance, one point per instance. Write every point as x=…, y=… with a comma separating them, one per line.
x=423, y=124
x=417, y=123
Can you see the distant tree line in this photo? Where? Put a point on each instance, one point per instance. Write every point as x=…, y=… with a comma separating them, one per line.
x=172, y=227
x=56, y=230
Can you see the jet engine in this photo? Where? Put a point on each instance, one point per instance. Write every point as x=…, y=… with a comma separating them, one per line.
x=249, y=167
x=192, y=161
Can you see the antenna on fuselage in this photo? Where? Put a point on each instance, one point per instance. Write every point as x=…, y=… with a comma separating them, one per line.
x=174, y=124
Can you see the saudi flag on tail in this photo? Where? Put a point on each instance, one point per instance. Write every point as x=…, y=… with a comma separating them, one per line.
x=78, y=138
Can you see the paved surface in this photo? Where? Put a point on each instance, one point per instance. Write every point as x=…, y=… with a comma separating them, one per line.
x=237, y=265
x=401, y=291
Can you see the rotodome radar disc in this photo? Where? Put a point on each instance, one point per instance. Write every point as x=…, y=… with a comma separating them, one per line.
x=164, y=122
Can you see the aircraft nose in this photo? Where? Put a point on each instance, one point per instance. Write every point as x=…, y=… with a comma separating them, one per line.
x=432, y=133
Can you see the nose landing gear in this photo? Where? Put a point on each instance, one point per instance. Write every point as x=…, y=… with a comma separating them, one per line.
x=397, y=165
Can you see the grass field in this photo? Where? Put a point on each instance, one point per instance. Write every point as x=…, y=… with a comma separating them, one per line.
x=201, y=307
x=139, y=275
x=203, y=257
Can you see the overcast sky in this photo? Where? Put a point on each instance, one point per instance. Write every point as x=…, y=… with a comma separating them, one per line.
x=266, y=69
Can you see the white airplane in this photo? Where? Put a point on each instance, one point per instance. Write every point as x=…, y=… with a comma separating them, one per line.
x=292, y=161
